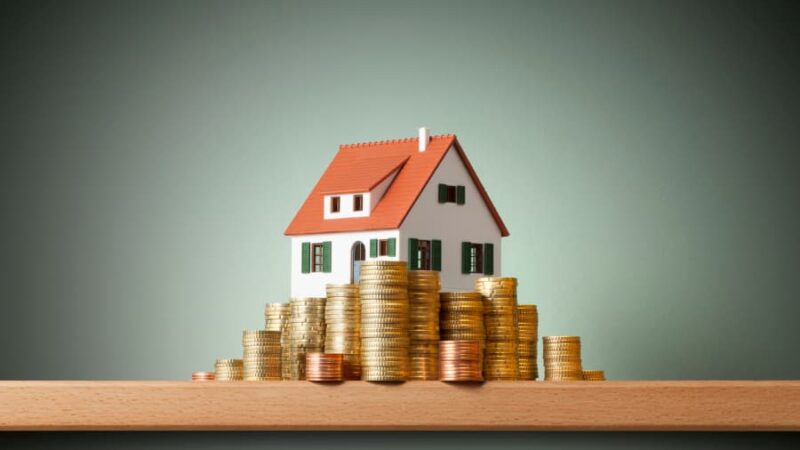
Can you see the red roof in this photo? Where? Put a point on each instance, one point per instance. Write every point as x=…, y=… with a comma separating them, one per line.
x=361, y=167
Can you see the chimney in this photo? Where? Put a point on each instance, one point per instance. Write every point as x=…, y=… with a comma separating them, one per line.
x=424, y=138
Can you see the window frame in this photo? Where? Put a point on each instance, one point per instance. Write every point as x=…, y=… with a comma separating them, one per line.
x=317, y=258
x=358, y=202
x=336, y=204
x=424, y=254
x=383, y=247
x=476, y=258
x=452, y=194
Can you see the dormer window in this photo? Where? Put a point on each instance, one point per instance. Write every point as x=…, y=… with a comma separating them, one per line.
x=358, y=202
x=336, y=204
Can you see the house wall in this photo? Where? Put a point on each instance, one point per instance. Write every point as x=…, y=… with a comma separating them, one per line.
x=451, y=223
x=313, y=284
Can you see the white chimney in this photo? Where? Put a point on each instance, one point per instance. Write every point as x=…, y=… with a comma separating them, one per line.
x=424, y=137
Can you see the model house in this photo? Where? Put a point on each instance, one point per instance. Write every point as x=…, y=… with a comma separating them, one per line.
x=417, y=200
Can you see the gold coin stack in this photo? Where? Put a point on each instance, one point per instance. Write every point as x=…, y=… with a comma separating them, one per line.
x=384, y=320
x=343, y=327
x=276, y=315
x=460, y=361
x=500, y=307
x=262, y=355
x=203, y=376
x=462, y=318
x=305, y=333
x=423, y=325
x=562, y=358
x=324, y=367
x=229, y=370
x=594, y=375
x=527, y=340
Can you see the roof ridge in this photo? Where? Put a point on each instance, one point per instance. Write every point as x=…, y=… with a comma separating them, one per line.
x=390, y=141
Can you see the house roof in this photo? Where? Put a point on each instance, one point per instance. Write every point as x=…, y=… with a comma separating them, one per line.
x=361, y=167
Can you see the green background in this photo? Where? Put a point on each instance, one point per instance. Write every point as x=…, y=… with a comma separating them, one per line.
x=644, y=156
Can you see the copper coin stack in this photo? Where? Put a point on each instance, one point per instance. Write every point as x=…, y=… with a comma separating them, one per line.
x=276, y=316
x=305, y=333
x=324, y=367
x=423, y=325
x=262, y=355
x=460, y=361
x=500, y=318
x=383, y=287
x=461, y=318
x=229, y=370
x=527, y=340
x=203, y=376
x=594, y=375
x=343, y=327
x=562, y=358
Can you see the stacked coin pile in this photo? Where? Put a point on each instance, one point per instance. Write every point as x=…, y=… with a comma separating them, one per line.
x=276, y=315
x=423, y=325
x=460, y=361
x=343, y=327
x=562, y=358
x=305, y=332
x=527, y=337
x=594, y=375
x=262, y=355
x=500, y=307
x=384, y=320
x=229, y=370
x=324, y=367
x=461, y=318
x=203, y=376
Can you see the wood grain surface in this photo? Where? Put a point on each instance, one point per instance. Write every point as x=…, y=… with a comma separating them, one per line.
x=298, y=405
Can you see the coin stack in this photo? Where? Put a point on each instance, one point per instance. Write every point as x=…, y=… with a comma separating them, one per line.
x=562, y=358
x=423, y=325
x=276, y=315
x=343, y=327
x=460, y=361
x=384, y=320
x=527, y=337
x=229, y=370
x=262, y=355
x=594, y=375
x=462, y=318
x=305, y=332
x=203, y=376
x=500, y=307
x=324, y=367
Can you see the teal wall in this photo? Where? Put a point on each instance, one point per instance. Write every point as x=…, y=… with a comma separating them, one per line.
x=643, y=154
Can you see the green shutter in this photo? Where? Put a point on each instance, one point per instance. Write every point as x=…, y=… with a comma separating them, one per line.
x=413, y=256
x=391, y=247
x=488, y=259
x=442, y=193
x=305, y=257
x=373, y=248
x=465, y=249
x=326, y=256
x=460, y=195
x=436, y=256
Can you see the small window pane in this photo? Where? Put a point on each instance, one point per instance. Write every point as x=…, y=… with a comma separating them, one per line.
x=358, y=203
x=335, y=203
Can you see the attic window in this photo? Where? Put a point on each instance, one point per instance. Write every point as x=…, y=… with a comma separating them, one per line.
x=452, y=194
x=358, y=202
x=335, y=204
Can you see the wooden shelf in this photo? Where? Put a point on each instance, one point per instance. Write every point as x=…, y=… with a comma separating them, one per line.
x=298, y=405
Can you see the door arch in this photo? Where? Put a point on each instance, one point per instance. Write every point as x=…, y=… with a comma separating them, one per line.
x=358, y=253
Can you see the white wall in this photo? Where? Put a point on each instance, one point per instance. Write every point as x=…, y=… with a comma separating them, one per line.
x=452, y=223
x=313, y=284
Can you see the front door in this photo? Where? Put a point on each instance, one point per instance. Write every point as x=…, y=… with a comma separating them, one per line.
x=357, y=254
